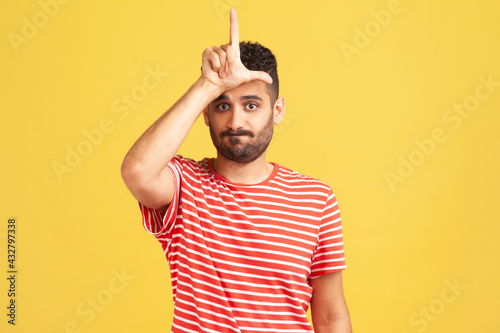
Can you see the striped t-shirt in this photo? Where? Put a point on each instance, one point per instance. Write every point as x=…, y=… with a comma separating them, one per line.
x=241, y=256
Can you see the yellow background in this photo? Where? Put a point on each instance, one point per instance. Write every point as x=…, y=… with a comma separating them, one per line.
x=351, y=121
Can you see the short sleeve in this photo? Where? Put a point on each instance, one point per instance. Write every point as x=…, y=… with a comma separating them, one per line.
x=329, y=253
x=160, y=222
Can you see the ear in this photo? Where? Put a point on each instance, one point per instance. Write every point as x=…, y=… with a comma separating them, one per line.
x=279, y=110
x=205, y=116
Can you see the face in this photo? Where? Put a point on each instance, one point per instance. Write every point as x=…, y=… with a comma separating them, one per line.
x=242, y=120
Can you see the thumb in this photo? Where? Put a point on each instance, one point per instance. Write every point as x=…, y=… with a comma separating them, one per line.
x=262, y=76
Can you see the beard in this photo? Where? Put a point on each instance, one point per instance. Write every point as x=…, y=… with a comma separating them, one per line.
x=229, y=144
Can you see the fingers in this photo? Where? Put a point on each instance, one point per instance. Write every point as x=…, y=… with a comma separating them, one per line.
x=234, y=34
x=217, y=57
x=261, y=76
x=212, y=57
x=231, y=58
x=222, y=60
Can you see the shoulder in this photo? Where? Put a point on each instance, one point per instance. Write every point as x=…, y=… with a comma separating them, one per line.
x=189, y=165
x=181, y=160
x=288, y=176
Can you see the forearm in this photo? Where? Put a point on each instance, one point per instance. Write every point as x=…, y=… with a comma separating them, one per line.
x=161, y=141
x=340, y=324
x=329, y=312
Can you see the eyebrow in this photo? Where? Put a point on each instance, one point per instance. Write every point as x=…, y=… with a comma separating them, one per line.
x=224, y=97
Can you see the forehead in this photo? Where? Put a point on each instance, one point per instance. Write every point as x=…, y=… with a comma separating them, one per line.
x=250, y=90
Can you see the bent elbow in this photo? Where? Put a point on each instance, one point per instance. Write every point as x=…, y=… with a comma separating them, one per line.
x=130, y=171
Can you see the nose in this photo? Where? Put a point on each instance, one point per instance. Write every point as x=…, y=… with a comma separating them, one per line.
x=237, y=119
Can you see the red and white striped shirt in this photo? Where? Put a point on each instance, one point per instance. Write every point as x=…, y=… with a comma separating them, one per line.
x=241, y=256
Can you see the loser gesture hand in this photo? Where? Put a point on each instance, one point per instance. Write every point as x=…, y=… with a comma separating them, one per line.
x=222, y=66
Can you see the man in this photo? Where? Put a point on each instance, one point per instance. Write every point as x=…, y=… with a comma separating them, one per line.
x=250, y=244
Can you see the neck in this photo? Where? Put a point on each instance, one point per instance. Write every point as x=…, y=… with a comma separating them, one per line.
x=247, y=173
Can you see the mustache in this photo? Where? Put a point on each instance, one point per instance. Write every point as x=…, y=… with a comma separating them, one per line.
x=241, y=132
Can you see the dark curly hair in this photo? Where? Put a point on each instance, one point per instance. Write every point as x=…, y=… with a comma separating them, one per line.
x=256, y=57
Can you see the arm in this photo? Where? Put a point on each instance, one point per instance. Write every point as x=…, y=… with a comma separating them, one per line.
x=328, y=307
x=144, y=169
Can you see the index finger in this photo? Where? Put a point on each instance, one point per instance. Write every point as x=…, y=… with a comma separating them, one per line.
x=234, y=38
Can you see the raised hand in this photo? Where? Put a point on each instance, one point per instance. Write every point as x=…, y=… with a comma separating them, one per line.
x=222, y=66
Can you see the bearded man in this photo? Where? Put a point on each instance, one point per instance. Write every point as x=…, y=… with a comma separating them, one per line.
x=250, y=243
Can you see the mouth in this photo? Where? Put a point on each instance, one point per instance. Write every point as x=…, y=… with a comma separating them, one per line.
x=235, y=139
x=237, y=134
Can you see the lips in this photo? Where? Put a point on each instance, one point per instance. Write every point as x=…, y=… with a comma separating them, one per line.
x=231, y=133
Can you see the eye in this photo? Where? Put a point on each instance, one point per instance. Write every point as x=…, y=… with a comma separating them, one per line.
x=251, y=106
x=223, y=106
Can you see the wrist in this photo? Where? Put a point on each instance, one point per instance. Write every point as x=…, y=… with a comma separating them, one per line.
x=209, y=87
